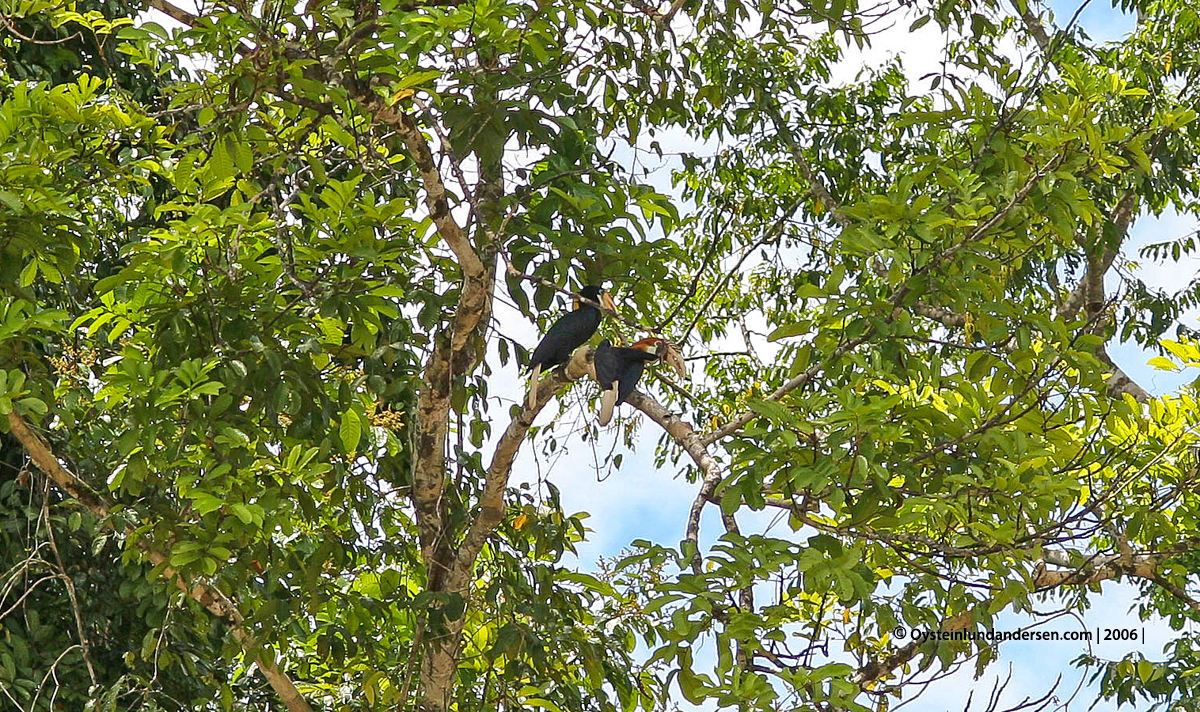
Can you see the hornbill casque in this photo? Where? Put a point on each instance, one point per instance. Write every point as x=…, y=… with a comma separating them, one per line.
x=618, y=369
x=567, y=334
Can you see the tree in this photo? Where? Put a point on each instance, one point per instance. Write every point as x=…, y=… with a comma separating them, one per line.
x=248, y=331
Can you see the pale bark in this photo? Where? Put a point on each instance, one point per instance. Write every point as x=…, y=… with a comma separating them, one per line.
x=491, y=502
x=696, y=447
x=455, y=355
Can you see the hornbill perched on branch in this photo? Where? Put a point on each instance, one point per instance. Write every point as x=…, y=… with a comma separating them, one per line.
x=618, y=370
x=567, y=334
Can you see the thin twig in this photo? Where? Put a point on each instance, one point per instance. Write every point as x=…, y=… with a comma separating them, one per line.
x=83, y=641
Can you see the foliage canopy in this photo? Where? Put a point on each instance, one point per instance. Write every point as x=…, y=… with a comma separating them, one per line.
x=254, y=446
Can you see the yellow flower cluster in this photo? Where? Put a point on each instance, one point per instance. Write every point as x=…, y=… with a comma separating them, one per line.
x=388, y=419
x=73, y=358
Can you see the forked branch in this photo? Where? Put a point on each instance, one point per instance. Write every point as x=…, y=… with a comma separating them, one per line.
x=696, y=448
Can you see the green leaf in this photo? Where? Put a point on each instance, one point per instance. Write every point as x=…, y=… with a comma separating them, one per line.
x=204, y=503
x=350, y=430
x=775, y=411
x=1163, y=363
x=242, y=512
x=12, y=202
x=787, y=330
x=36, y=406
x=417, y=78
x=29, y=273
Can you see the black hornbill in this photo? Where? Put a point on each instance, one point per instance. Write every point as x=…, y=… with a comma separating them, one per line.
x=567, y=334
x=618, y=370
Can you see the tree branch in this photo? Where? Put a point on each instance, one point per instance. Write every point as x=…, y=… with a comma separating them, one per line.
x=1089, y=292
x=944, y=316
x=1120, y=382
x=818, y=189
x=175, y=13
x=188, y=19
x=792, y=384
x=664, y=19
x=208, y=596
x=1105, y=568
x=879, y=669
x=1033, y=26
x=491, y=502
x=696, y=448
x=452, y=356
x=457, y=352
x=436, y=195
x=85, y=647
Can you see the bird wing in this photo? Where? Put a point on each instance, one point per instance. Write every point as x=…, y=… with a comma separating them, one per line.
x=571, y=331
x=608, y=365
x=629, y=379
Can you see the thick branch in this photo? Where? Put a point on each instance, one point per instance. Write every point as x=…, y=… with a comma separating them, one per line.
x=1120, y=382
x=491, y=502
x=453, y=357
x=1090, y=290
x=436, y=196
x=696, y=448
x=1104, y=568
x=478, y=277
x=1033, y=26
x=441, y=653
x=815, y=186
x=208, y=596
x=41, y=455
x=429, y=471
x=879, y=669
x=175, y=13
x=456, y=354
x=664, y=19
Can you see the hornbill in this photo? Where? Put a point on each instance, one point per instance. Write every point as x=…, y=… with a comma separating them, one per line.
x=567, y=334
x=618, y=370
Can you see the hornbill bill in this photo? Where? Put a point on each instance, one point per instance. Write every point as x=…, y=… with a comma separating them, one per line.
x=567, y=334
x=618, y=370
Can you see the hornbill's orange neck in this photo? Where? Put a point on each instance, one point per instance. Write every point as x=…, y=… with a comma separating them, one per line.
x=651, y=345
